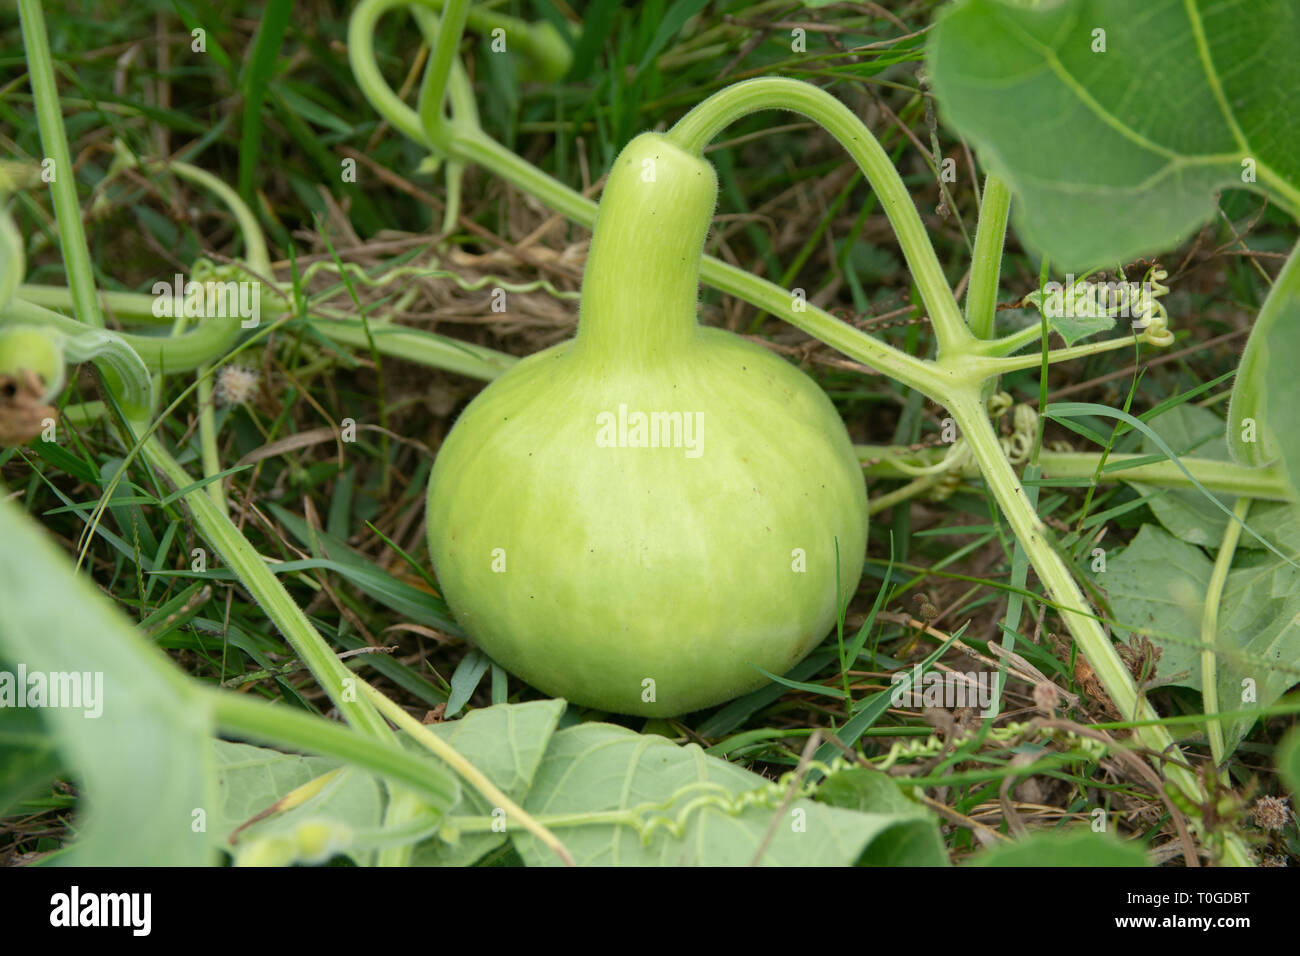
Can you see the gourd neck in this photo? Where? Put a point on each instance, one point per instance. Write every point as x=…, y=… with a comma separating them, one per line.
x=641, y=286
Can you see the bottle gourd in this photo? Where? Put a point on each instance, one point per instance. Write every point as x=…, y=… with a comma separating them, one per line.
x=641, y=517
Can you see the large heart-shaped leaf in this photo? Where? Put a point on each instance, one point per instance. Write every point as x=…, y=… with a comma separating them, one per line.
x=1115, y=123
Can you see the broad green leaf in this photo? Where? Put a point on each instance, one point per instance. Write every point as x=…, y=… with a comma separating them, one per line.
x=1071, y=848
x=1116, y=124
x=344, y=806
x=1159, y=584
x=143, y=764
x=594, y=769
x=664, y=805
x=507, y=743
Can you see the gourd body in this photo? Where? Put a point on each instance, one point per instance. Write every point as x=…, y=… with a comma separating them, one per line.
x=641, y=518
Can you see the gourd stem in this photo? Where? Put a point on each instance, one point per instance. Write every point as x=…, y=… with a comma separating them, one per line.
x=361, y=57
x=911, y=371
x=994, y=365
x=542, y=46
x=255, y=251
x=986, y=262
x=1012, y=342
x=698, y=127
x=443, y=36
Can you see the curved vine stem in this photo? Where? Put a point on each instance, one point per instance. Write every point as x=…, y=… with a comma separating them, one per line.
x=698, y=127
x=241, y=557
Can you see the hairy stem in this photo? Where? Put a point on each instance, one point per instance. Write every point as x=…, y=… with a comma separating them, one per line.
x=986, y=264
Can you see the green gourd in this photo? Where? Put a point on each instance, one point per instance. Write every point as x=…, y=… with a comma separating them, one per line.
x=640, y=518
